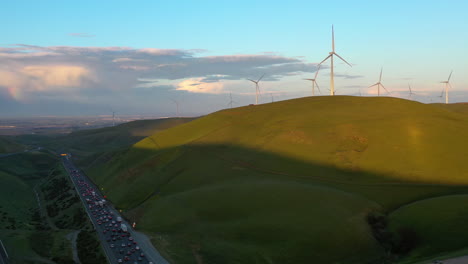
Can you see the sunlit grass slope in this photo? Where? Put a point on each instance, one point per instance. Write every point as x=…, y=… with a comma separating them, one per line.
x=287, y=182
x=461, y=108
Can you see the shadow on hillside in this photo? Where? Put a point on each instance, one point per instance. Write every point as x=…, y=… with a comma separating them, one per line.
x=134, y=179
x=202, y=165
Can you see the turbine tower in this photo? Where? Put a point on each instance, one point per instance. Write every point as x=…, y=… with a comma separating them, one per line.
x=314, y=81
x=331, y=53
x=177, y=105
x=230, y=100
x=379, y=83
x=410, y=91
x=257, y=88
x=447, y=85
x=113, y=116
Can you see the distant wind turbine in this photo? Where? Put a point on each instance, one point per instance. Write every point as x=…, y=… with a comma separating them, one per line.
x=447, y=85
x=257, y=88
x=314, y=81
x=410, y=91
x=113, y=117
x=177, y=105
x=230, y=100
x=331, y=53
x=379, y=83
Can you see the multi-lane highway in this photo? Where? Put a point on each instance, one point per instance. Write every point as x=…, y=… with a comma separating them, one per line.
x=117, y=236
x=3, y=254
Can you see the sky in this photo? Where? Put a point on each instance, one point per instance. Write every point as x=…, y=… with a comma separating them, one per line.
x=70, y=58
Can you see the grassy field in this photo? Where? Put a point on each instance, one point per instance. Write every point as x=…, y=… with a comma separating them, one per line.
x=461, y=108
x=86, y=142
x=25, y=229
x=292, y=181
x=8, y=146
x=440, y=224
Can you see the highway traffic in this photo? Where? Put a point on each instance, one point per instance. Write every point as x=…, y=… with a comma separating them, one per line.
x=116, y=235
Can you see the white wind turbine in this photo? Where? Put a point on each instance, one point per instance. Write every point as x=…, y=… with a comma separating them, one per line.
x=314, y=81
x=177, y=105
x=447, y=85
x=230, y=100
x=331, y=53
x=257, y=88
x=379, y=83
x=410, y=91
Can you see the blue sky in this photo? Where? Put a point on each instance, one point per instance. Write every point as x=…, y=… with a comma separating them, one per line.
x=416, y=42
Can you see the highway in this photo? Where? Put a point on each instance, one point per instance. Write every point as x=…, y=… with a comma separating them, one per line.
x=3, y=254
x=120, y=245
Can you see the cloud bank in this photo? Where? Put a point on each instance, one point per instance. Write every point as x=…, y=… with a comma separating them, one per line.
x=29, y=72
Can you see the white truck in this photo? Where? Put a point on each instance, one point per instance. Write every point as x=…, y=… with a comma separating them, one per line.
x=124, y=228
x=119, y=219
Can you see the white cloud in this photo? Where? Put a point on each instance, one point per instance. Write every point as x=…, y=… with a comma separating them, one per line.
x=197, y=86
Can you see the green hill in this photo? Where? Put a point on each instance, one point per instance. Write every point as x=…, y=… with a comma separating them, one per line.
x=461, y=108
x=288, y=182
x=9, y=146
x=84, y=143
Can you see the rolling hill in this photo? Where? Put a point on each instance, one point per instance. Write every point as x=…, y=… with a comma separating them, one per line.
x=103, y=139
x=461, y=108
x=295, y=181
x=9, y=146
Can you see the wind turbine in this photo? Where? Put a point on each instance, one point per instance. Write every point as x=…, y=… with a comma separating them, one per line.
x=314, y=81
x=257, y=88
x=379, y=83
x=447, y=85
x=331, y=53
x=230, y=100
x=410, y=91
x=113, y=116
x=177, y=105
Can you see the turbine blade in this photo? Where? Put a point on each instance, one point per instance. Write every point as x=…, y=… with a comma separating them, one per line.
x=450, y=76
x=252, y=80
x=325, y=59
x=316, y=72
x=343, y=59
x=318, y=87
x=309, y=79
x=380, y=78
x=261, y=77
x=385, y=89
x=409, y=87
x=373, y=85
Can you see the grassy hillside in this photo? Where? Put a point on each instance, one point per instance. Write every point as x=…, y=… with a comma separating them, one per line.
x=102, y=139
x=264, y=184
x=440, y=224
x=461, y=108
x=9, y=146
x=34, y=234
